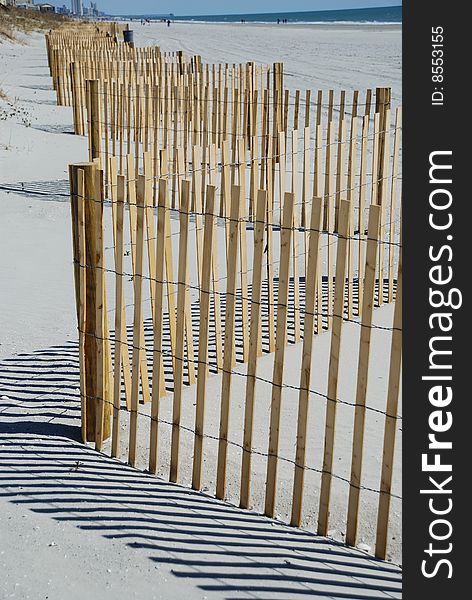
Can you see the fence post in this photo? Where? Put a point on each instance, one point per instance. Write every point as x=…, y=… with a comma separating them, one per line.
x=77, y=183
x=87, y=233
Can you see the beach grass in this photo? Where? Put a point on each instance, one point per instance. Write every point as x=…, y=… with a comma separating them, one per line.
x=14, y=21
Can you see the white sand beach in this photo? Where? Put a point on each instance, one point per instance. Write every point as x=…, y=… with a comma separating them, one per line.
x=315, y=56
x=37, y=312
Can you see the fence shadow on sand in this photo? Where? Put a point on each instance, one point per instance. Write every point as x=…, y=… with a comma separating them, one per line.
x=221, y=550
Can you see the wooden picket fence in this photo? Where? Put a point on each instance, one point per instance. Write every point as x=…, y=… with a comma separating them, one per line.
x=222, y=220
x=113, y=382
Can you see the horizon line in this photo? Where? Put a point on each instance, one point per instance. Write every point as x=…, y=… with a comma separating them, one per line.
x=259, y=13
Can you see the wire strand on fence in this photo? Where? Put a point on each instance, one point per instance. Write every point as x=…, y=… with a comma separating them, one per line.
x=199, y=363
x=241, y=447
x=189, y=286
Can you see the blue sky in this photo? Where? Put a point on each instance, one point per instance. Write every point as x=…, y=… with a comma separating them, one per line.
x=202, y=7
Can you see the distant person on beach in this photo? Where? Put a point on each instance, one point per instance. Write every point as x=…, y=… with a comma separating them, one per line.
x=168, y=23
x=278, y=21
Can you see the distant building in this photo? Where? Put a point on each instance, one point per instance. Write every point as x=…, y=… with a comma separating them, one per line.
x=49, y=8
x=77, y=8
x=91, y=11
x=18, y=3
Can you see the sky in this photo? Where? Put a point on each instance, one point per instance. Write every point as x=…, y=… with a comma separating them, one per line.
x=217, y=7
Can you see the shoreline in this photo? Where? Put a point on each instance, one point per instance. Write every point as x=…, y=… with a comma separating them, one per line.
x=342, y=26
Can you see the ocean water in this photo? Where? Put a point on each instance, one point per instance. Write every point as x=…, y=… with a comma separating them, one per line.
x=380, y=15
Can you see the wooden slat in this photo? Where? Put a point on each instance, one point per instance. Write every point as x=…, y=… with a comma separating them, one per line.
x=215, y=274
x=375, y=160
x=180, y=331
x=138, y=330
x=197, y=207
x=189, y=346
x=282, y=159
x=150, y=242
x=255, y=339
x=306, y=192
x=226, y=188
x=362, y=374
x=229, y=341
x=94, y=228
x=333, y=369
x=243, y=250
x=340, y=160
x=393, y=202
x=305, y=373
x=121, y=341
x=95, y=130
x=307, y=108
x=295, y=240
x=317, y=193
x=280, y=343
x=169, y=267
x=351, y=170
x=362, y=199
x=205, y=296
x=385, y=155
x=270, y=259
x=390, y=422
x=157, y=371
x=131, y=188
x=328, y=217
